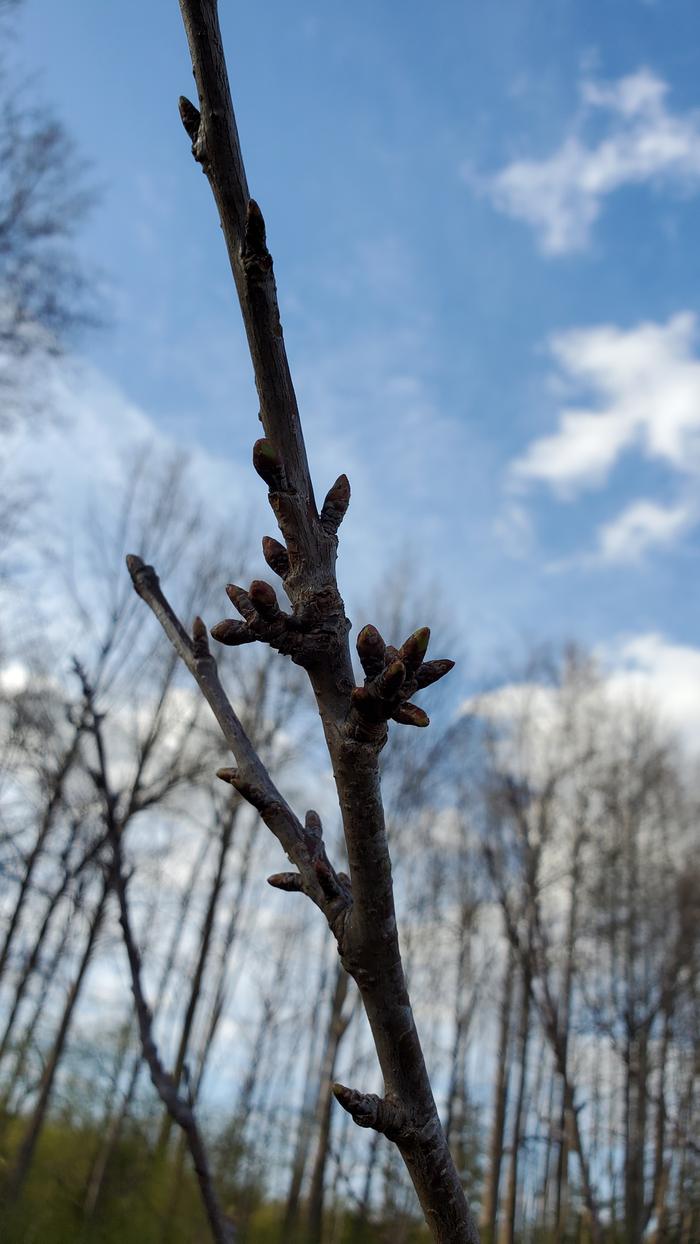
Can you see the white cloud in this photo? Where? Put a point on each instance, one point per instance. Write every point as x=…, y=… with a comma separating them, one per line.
x=562, y=195
x=645, y=386
x=646, y=671
x=641, y=391
x=651, y=670
x=641, y=526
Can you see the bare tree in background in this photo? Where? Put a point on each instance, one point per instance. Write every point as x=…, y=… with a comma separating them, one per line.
x=359, y=908
x=44, y=293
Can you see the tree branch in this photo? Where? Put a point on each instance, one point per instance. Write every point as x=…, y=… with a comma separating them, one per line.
x=316, y=635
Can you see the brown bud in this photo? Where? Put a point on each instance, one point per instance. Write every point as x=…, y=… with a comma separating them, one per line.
x=335, y=505
x=371, y=649
x=255, y=239
x=190, y=117
x=312, y=822
x=275, y=555
x=232, y=776
x=415, y=648
x=264, y=599
x=267, y=463
x=290, y=882
x=431, y=671
x=411, y=715
x=232, y=633
x=200, y=639
x=327, y=879
x=391, y=679
x=241, y=601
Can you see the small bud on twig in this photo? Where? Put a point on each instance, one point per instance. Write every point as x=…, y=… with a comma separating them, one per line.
x=411, y=715
x=241, y=601
x=232, y=633
x=267, y=463
x=255, y=239
x=312, y=822
x=264, y=599
x=335, y=505
x=391, y=679
x=276, y=556
x=200, y=639
x=371, y=649
x=431, y=671
x=415, y=648
x=290, y=882
x=369, y=1110
x=190, y=117
x=232, y=776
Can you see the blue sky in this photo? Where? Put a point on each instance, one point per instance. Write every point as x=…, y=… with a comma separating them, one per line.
x=484, y=219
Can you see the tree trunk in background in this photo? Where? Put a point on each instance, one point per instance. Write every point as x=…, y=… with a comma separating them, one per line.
x=306, y=1121
x=337, y=1026
x=507, y=1233
x=489, y=1205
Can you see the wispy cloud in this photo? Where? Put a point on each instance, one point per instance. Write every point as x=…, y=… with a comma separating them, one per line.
x=643, y=141
x=641, y=390
x=644, y=386
x=641, y=526
x=647, y=670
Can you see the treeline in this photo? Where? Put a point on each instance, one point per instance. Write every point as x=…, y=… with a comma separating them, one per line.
x=545, y=849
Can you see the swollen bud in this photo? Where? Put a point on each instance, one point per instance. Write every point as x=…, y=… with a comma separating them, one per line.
x=411, y=715
x=232, y=633
x=312, y=822
x=190, y=117
x=241, y=601
x=267, y=464
x=290, y=882
x=371, y=649
x=231, y=776
x=391, y=680
x=255, y=239
x=431, y=671
x=264, y=599
x=335, y=505
x=275, y=555
x=200, y=639
x=415, y=648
